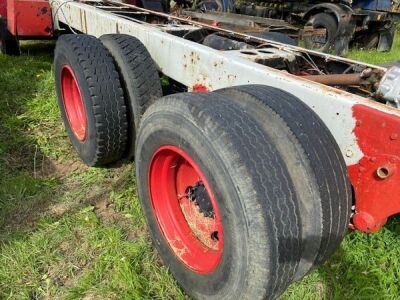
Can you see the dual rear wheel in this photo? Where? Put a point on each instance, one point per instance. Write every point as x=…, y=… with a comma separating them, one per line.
x=103, y=87
x=244, y=189
x=274, y=190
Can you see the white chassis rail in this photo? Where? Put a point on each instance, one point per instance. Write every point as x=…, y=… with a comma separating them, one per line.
x=193, y=64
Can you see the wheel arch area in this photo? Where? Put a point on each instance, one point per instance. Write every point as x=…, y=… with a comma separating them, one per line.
x=340, y=12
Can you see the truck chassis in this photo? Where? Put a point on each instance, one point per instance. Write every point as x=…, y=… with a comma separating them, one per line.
x=359, y=103
x=365, y=130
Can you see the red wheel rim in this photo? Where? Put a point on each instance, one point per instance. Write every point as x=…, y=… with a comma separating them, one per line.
x=186, y=209
x=73, y=103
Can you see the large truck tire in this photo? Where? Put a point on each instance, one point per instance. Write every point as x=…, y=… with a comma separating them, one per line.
x=9, y=44
x=315, y=164
x=218, y=199
x=139, y=78
x=322, y=21
x=91, y=99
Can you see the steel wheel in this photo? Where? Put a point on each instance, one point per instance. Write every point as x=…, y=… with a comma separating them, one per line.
x=220, y=205
x=186, y=209
x=73, y=103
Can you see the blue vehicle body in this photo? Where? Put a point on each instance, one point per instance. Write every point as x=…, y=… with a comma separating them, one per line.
x=376, y=5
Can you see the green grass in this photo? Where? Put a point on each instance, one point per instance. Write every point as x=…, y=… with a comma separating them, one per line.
x=66, y=231
x=375, y=57
x=71, y=232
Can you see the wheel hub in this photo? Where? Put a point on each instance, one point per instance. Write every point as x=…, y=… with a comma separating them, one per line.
x=186, y=209
x=198, y=194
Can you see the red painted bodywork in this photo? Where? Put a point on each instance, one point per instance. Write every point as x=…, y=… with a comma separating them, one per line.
x=28, y=19
x=3, y=8
x=376, y=178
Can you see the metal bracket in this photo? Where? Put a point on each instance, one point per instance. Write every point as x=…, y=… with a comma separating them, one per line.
x=389, y=87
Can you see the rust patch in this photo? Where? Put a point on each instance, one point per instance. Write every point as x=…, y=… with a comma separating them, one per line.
x=201, y=226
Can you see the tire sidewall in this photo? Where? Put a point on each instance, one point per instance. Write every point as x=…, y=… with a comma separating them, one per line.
x=86, y=148
x=231, y=273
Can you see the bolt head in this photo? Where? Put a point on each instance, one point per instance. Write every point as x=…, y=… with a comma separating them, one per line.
x=349, y=153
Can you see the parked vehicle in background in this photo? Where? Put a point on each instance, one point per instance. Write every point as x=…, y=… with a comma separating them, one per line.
x=327, y=26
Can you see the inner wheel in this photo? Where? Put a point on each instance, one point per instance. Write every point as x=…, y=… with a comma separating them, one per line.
x=73, y=103
x=186, y=209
